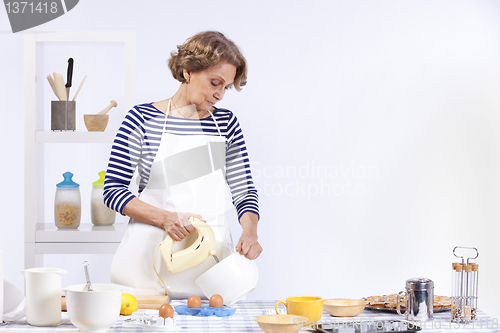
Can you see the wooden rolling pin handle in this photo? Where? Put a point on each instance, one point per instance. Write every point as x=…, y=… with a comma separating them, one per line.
x=107, y=108
x=152, y=302
x=63, y=303
x=144, y=302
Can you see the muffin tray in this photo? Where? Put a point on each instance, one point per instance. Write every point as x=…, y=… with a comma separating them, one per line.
x=205, y=310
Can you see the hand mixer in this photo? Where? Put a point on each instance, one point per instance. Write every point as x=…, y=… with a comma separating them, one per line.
x=232, y=278
x=195, y=254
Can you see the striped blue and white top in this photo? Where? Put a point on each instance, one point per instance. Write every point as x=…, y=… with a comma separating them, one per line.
x=137, y=142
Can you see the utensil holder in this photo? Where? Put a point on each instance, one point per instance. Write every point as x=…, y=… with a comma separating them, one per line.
x=63, y=115
x=464, y=284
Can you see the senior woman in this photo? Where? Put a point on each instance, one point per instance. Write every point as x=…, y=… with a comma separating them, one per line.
x=186, y=151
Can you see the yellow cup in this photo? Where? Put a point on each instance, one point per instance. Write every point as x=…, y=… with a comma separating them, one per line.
x=307, y=306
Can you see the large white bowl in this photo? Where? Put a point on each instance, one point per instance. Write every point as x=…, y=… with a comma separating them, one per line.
x=93, y=312
x=232, y=278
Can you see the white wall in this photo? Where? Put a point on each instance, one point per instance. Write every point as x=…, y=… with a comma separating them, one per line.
x=397, y=100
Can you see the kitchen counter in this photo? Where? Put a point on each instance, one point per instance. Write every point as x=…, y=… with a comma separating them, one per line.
x=243, y=321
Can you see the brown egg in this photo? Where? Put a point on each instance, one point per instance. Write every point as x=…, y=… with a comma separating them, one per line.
x=216, y=301
x=194, y=302
x=166, y=311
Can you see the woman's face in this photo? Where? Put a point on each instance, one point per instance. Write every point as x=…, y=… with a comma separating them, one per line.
x=207, y=87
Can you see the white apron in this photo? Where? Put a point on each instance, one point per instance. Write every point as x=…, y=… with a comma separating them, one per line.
x=187, y=175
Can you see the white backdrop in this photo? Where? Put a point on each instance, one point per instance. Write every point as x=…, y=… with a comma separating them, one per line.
x=372, y=128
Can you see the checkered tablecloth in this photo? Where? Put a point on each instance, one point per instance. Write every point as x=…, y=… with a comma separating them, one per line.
x=243, y=321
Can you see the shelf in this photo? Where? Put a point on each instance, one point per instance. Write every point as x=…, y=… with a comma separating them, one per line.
x=73, y=248
x=74, y=137
x=83, y=36
x=86, y=233
x=46, y=238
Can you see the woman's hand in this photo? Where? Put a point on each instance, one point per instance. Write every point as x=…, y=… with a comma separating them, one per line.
x=248, y=243
x=178, y=226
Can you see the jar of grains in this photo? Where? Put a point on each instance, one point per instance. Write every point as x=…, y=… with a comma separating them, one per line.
x=101, y=215
x=67, y=204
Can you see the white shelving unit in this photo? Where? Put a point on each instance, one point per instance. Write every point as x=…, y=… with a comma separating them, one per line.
x=40, y=237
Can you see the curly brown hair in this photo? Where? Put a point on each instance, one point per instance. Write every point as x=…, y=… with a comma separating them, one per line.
x=204, y=50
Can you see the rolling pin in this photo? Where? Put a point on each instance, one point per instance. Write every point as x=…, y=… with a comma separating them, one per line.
x=143, y=302
x=152, y=302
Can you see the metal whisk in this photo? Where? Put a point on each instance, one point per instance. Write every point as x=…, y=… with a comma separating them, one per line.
x=85, y=267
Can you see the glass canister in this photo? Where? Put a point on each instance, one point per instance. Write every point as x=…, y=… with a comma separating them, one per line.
x=67, y=203
x=100, y=214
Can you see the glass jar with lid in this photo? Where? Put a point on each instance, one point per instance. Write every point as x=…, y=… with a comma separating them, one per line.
x=67, y=203
x=100, y=214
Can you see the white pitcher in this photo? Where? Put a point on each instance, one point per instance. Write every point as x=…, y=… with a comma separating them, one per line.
x=43, y=295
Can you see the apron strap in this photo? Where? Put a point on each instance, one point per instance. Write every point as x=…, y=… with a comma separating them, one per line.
x=216, y=125
x=166, y=116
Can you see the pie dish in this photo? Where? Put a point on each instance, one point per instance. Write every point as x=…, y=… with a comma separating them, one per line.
x=389, y=302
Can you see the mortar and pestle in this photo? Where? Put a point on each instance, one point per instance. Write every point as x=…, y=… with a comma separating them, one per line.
x=98, y=122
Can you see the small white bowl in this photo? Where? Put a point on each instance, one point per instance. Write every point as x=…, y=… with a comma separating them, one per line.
x=93, y=311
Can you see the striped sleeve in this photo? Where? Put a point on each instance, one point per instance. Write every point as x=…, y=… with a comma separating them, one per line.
x=125, y=154
x=238, y=173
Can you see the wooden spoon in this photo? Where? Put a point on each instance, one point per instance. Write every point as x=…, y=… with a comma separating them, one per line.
x=52, y=85
x=60, y=87
x=80, y=87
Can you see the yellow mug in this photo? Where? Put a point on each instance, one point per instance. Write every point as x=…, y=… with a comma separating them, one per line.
x=307, y=306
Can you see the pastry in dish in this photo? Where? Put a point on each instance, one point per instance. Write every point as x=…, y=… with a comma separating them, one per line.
x=390, y=301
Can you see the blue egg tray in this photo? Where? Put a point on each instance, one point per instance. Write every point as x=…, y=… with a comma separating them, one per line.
x=205, y=310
